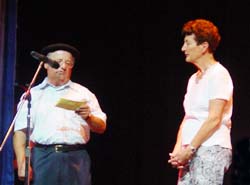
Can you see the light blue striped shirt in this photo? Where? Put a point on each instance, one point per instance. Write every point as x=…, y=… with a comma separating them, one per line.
x=55, y=125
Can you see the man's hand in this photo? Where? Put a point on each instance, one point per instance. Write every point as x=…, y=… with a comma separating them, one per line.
x=21, y=171
x=83, y=111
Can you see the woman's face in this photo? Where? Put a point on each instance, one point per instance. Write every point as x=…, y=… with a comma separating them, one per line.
x=191, y=50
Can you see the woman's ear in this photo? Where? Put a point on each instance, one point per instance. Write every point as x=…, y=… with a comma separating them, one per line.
x=205, y=46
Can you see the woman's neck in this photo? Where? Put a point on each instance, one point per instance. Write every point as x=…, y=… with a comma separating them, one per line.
x=205, y=63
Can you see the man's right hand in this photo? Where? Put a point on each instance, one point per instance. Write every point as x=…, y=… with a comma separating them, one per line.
x=21, y=171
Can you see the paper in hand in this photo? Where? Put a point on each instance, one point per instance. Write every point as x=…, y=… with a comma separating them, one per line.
x=70, y=104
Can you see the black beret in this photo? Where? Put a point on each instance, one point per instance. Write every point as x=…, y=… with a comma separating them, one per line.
x=61, y=46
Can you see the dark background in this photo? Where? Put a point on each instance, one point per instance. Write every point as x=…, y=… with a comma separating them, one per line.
x=131, y=60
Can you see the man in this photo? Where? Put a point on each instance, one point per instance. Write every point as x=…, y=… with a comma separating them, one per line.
x=59, y=133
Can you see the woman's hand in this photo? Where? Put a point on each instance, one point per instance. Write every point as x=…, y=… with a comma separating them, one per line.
x=180, y=158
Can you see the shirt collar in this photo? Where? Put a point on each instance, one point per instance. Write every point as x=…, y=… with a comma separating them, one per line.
x=46, y=83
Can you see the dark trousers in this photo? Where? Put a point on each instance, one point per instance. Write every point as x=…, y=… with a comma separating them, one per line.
x=60, y=168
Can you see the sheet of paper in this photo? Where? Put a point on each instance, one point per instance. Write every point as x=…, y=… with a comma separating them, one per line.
x=69, y=104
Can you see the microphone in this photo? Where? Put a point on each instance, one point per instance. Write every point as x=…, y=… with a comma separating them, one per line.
x=45, y=59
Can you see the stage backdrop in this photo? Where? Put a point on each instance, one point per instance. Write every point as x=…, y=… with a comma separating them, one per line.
x=7, y=76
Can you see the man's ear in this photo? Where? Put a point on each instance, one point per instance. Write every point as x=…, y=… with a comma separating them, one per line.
x=45, y=65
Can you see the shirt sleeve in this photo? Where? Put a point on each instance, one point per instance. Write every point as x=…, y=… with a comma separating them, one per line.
x=22, y=115
x=95, y=108
x=220, y=86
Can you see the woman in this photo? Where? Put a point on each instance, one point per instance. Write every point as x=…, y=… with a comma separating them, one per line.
x=202, y=152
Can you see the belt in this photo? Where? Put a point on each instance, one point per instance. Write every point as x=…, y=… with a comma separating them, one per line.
x=61, y=147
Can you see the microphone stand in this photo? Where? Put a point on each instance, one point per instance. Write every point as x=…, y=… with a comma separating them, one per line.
x=27, y=97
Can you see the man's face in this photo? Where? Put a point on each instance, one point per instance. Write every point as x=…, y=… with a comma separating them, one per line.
x=61, y=75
